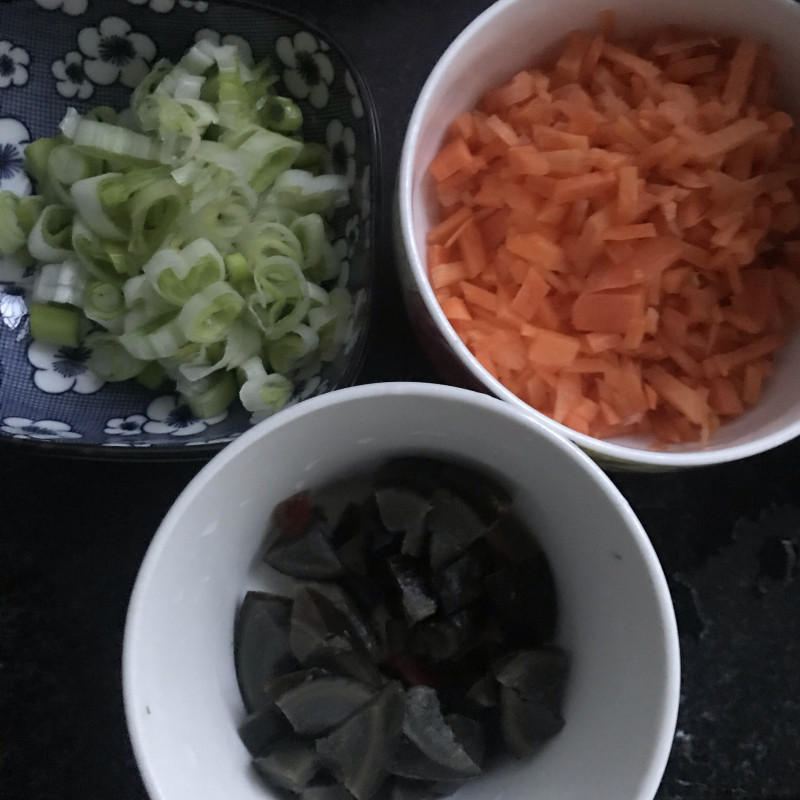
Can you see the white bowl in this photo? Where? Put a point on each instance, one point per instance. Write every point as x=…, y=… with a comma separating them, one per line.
x=616, y=618
x=515, y=34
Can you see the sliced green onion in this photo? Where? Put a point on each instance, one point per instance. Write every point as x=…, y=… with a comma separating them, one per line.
x=190, y=226
x=50, y=238
x=309, y=193
x=37, y=154
x=109, y=360
x=266, y=154
x=156, y=339
x=119, y=146
x=281, y=114
x=178, y=275
x=12, y=235
x=209, y=396
x=262, y=393
x=59, y=325
x=208, y=315
x=152, y=376
x=103, y=301
x=287, y=352
x=64, y=282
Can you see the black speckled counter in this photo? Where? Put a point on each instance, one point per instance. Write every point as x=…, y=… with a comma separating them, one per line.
x=72, y=535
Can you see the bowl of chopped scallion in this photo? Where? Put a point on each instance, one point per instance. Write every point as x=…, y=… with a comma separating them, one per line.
x=188, y=202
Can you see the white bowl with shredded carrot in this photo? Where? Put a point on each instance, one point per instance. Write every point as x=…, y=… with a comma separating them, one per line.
x=598, y=220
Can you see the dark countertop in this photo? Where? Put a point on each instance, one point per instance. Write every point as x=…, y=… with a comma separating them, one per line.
x=73, y=534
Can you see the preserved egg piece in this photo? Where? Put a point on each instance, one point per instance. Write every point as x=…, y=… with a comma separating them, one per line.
x=357, y=751
x=357, y=621
x=488, y=498
x=527, y=724
x=446, y=638
x=469, y=734
x=400, y=789
x=524, y=596
x=453, y=525
x=424, y=725
x=290, y=765
x=484, y=692
x=261, y=644
x=403, y=510
x=316, y=707
x=539, y=674
x=262, y=728
x=408, y=761
x=328, y=791
x=317, y=626
x=461, y=583
x=307, y=556
x=410, y=583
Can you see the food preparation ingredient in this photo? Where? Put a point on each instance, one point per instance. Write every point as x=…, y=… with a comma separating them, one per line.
x=188, y=237
x=415, y=652
x=619, y=240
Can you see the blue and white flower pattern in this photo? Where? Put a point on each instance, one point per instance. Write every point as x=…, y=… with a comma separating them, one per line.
x=167, y=415
x=356, y=105
x=309, y=71
x=115, y=52
x=14, y=136
x=341, y=143
x=165, y=6
x=13, y=308
x=61, y=369
x=131, y=425
x=44, y=429
x=71, y=80
x=13, y=65
x=71, y=7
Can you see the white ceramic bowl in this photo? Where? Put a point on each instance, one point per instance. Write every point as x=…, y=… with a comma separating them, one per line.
x=616, y=619
x=515, y=34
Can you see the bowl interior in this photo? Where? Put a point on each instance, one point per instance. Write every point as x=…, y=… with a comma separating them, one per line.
x=616, y=618
x=487, y=53
x=47, y=393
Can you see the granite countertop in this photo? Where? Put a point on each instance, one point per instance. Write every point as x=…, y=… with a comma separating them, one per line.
x=73, y=535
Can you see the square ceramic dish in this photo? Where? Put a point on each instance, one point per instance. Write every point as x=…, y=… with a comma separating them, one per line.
x=57, y=54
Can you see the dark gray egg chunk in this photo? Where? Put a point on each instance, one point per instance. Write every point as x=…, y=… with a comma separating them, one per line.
x=357, y=751
x=454, y=526
x=328, y=791
x=316, y=707
x=523, y=595
x=261, y=644
x=403, y=510
x=424, y=725
x=539, y=674
x=307, y=555
x=448, y=637
x=318, y=625
x=527, y=724
x=262, y=729
x=461, y=582
x=410, y=583
x=290, y=765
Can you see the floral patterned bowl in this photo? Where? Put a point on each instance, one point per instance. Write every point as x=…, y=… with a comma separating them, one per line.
x=94, y=53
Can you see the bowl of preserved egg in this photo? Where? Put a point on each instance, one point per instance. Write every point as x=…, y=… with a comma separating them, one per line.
x=401, y=590
x=189, y=196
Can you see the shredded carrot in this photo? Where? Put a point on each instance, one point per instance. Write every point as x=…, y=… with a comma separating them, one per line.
x=619, y=240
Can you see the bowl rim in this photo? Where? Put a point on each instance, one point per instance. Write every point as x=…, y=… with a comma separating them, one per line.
x=607, y=452
x=377, y=234
x=135, y=622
